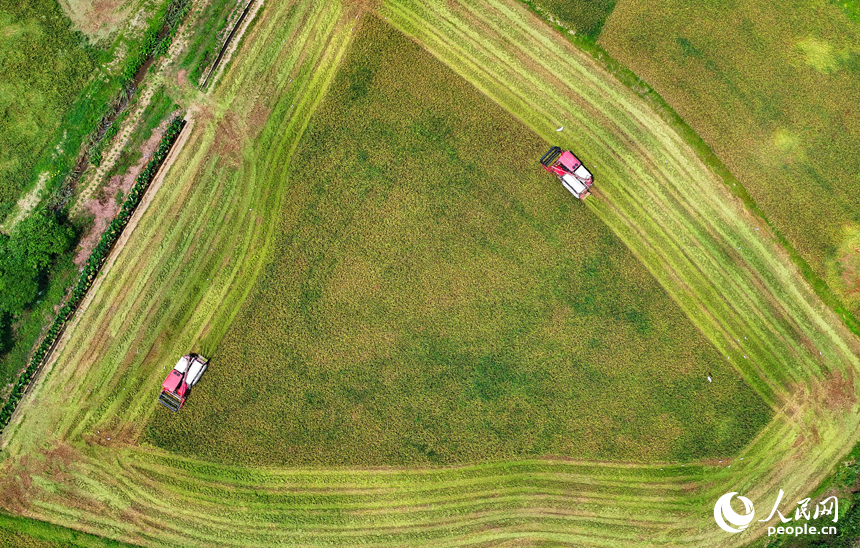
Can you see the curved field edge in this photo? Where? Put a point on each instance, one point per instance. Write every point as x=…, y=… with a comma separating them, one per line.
x=707, y=156
x=731, y=276
x=478, y=348
x=201, y=197
x=133, y=493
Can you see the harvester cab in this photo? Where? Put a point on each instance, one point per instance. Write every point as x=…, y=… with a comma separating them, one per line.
x=569, y=170
x=177, y=385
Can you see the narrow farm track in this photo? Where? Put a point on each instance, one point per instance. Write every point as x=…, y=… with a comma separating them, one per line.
x=72, y=458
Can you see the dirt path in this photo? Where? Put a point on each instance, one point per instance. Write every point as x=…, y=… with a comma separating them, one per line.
x=103, y=205
x=25, y=204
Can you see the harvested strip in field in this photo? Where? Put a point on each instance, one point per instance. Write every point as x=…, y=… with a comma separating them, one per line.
x=685, y=225
x=436, y=297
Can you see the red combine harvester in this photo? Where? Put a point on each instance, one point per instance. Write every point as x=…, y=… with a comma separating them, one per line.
x=178, y=383
x=569, y=170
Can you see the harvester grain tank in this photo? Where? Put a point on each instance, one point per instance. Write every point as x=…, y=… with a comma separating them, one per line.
x=177, y=386
x=569, y=170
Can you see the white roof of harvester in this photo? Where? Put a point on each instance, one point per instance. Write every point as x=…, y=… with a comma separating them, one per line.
x=195, y=371
x=182, y=364
x=582, y=173
x=574, y=185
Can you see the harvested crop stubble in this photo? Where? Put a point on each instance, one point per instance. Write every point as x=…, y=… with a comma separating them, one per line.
x=686, y=226
x=92, y=267
x=437, y=298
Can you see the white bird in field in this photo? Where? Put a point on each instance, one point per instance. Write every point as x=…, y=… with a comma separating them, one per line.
x=561, y=128
x=709, y=379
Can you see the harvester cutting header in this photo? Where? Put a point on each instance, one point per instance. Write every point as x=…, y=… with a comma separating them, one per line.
x=569, y=170
x=178, y=383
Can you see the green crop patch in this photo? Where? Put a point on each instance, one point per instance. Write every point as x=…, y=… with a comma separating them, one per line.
x=585, y=17
x=18, y=532
x=45, y=64
x=776, y=98
x=435, y=297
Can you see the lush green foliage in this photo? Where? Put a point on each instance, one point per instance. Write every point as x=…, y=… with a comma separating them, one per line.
x=18, y=532
x=45, y=64
x=25, y=256
x=438, y=298
x=585, y=17
x=51, y=236
x=31, y=256
x=851, y=8
x=24, y=331
x=789, y=137
x=158, y=37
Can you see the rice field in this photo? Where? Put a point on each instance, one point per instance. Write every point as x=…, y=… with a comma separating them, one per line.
x=790, y=90
x=437, y=298
x=45, y=65
x=75, y=455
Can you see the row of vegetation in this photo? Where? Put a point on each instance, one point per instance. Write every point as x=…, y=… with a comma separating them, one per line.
x=157, y=111
x=212, y=28
x=158, y=38
x=92, y=120
x=92, y=266
x=155, y=42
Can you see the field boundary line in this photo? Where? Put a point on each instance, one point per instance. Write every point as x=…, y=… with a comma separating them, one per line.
x=214, y=68
x=48, y=360
x=231, y=45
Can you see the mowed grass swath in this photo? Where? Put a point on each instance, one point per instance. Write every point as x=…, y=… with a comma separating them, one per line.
x=437, y=298
x=680, y=221
x=59, y=465
x=788, y=90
